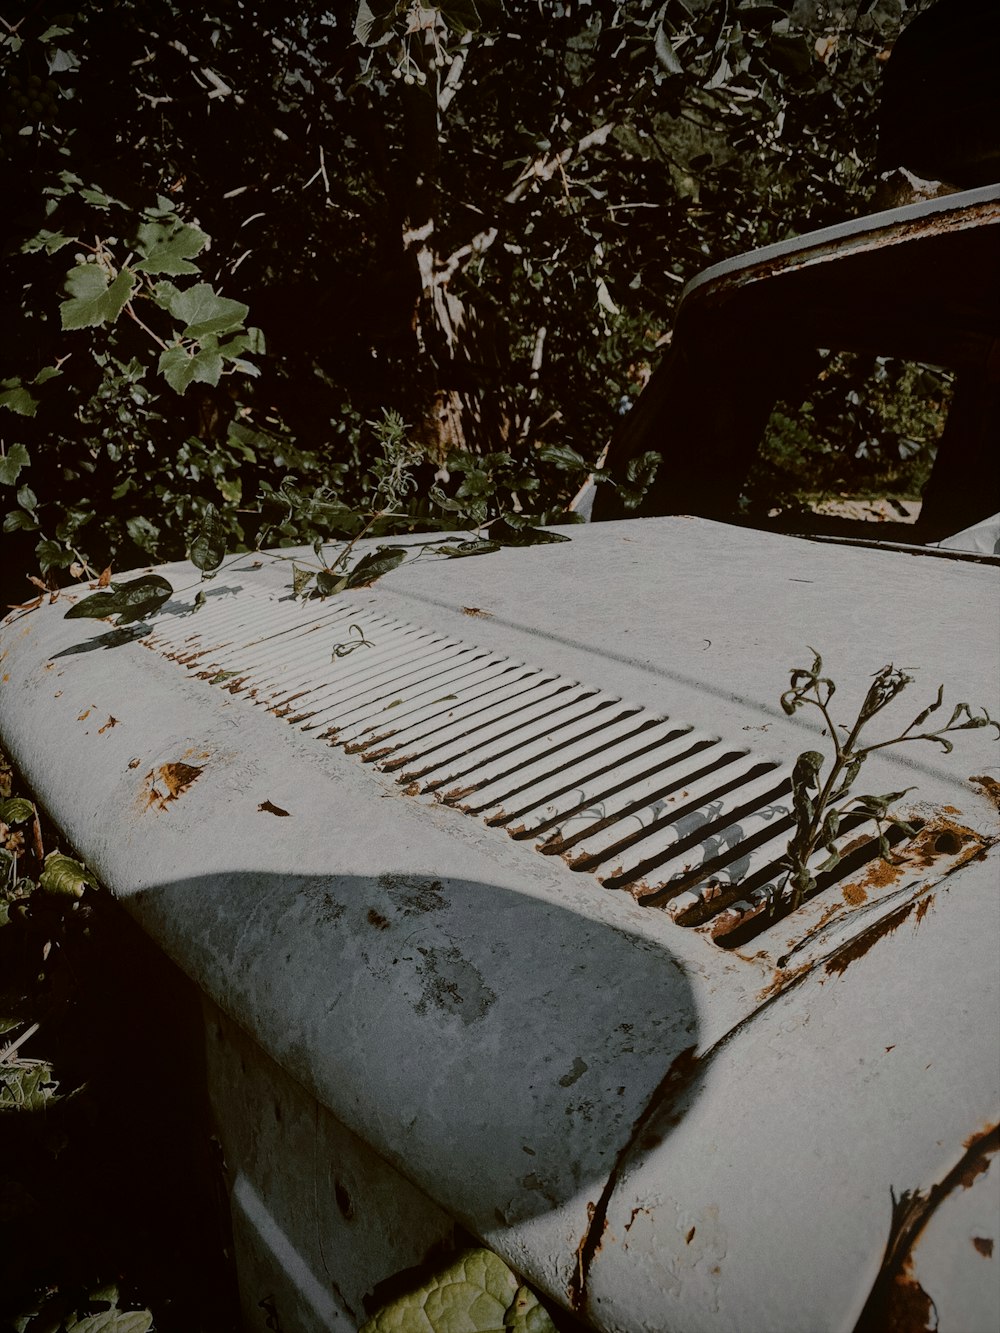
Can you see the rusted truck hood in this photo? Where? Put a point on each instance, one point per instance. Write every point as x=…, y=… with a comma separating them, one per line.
x=665, y=1120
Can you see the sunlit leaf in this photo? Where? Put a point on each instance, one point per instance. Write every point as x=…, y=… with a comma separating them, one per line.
x=93, y=299
x=477, y=1293
x=208, y=550
x=477, y=546
x=27, y=1085
x=167, y=251
x=128, y=601
x=372, y=566
x=203, y=312
x=507, y=535
x=665, y=52
x=16, y=810
x=16, y=398
x=10, y=466
x=62, y=875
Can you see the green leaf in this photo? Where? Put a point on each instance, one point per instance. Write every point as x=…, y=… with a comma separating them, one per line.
x=16, y=810
x=301, y=579
x=62, y=875
x=477, y=1293
x=167, y=251
x=230, y=488
x=110, y=1319
x=18, y=521
x=17, y=398
x=563, y=457
x=98, y=198
x=143, y=532
x=180, y=368
x=52, y=555
x=478, y=546
x=27, y=1085
x=374, y=20
x=50, y=241
x=328, y=583
x=208, y=550
x=203, y=312
x=132, y=601
x=665, y=52
x=372, y=566
x=10, y=467
x=92, y=300
x=507, y=535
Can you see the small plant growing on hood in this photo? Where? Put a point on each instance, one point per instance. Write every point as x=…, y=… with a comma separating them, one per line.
x=821, y=799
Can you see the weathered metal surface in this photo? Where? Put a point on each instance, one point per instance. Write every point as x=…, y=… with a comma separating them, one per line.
x=574, y=1077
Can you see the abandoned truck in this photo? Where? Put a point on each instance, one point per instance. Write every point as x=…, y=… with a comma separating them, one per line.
x=493, y=878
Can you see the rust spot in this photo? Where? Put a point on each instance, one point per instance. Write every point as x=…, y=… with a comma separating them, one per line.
x=881, y=873
x=413, y=789
x=517, y=830
x=377, y=920
x=111, y=722
x=175, y=778
x=981, y=1135
x=268, y=808
x=783, y=977
x=923, y=907
x=984, y=1245
x=897, y=1303
x=476, y=611
x=859, y=946
x=134, y=763
x=908, y=1308
x=84, y=715
x=854, y=895
x=991, y=788
x=689, y=1237
x=372, y=755
x=457, y=793
x=682, y=1070
x=634, y=1215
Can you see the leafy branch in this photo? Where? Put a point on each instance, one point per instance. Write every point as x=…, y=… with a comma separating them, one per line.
x=821, y=801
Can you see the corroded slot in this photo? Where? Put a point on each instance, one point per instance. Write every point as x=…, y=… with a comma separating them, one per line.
x=570, y=765
x=586, y=861
x=702, y=835
x=735, y=928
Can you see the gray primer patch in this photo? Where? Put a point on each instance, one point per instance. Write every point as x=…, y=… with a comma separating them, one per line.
x=578, y=1070
x=453, y=985
x=412, y=895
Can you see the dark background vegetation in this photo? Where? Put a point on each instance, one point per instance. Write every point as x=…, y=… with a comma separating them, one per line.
x=478, y=216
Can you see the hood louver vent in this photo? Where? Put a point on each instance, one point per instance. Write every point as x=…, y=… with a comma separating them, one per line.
x=678, y=817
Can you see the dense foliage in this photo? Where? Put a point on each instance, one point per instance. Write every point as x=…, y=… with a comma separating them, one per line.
x=237, y=238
